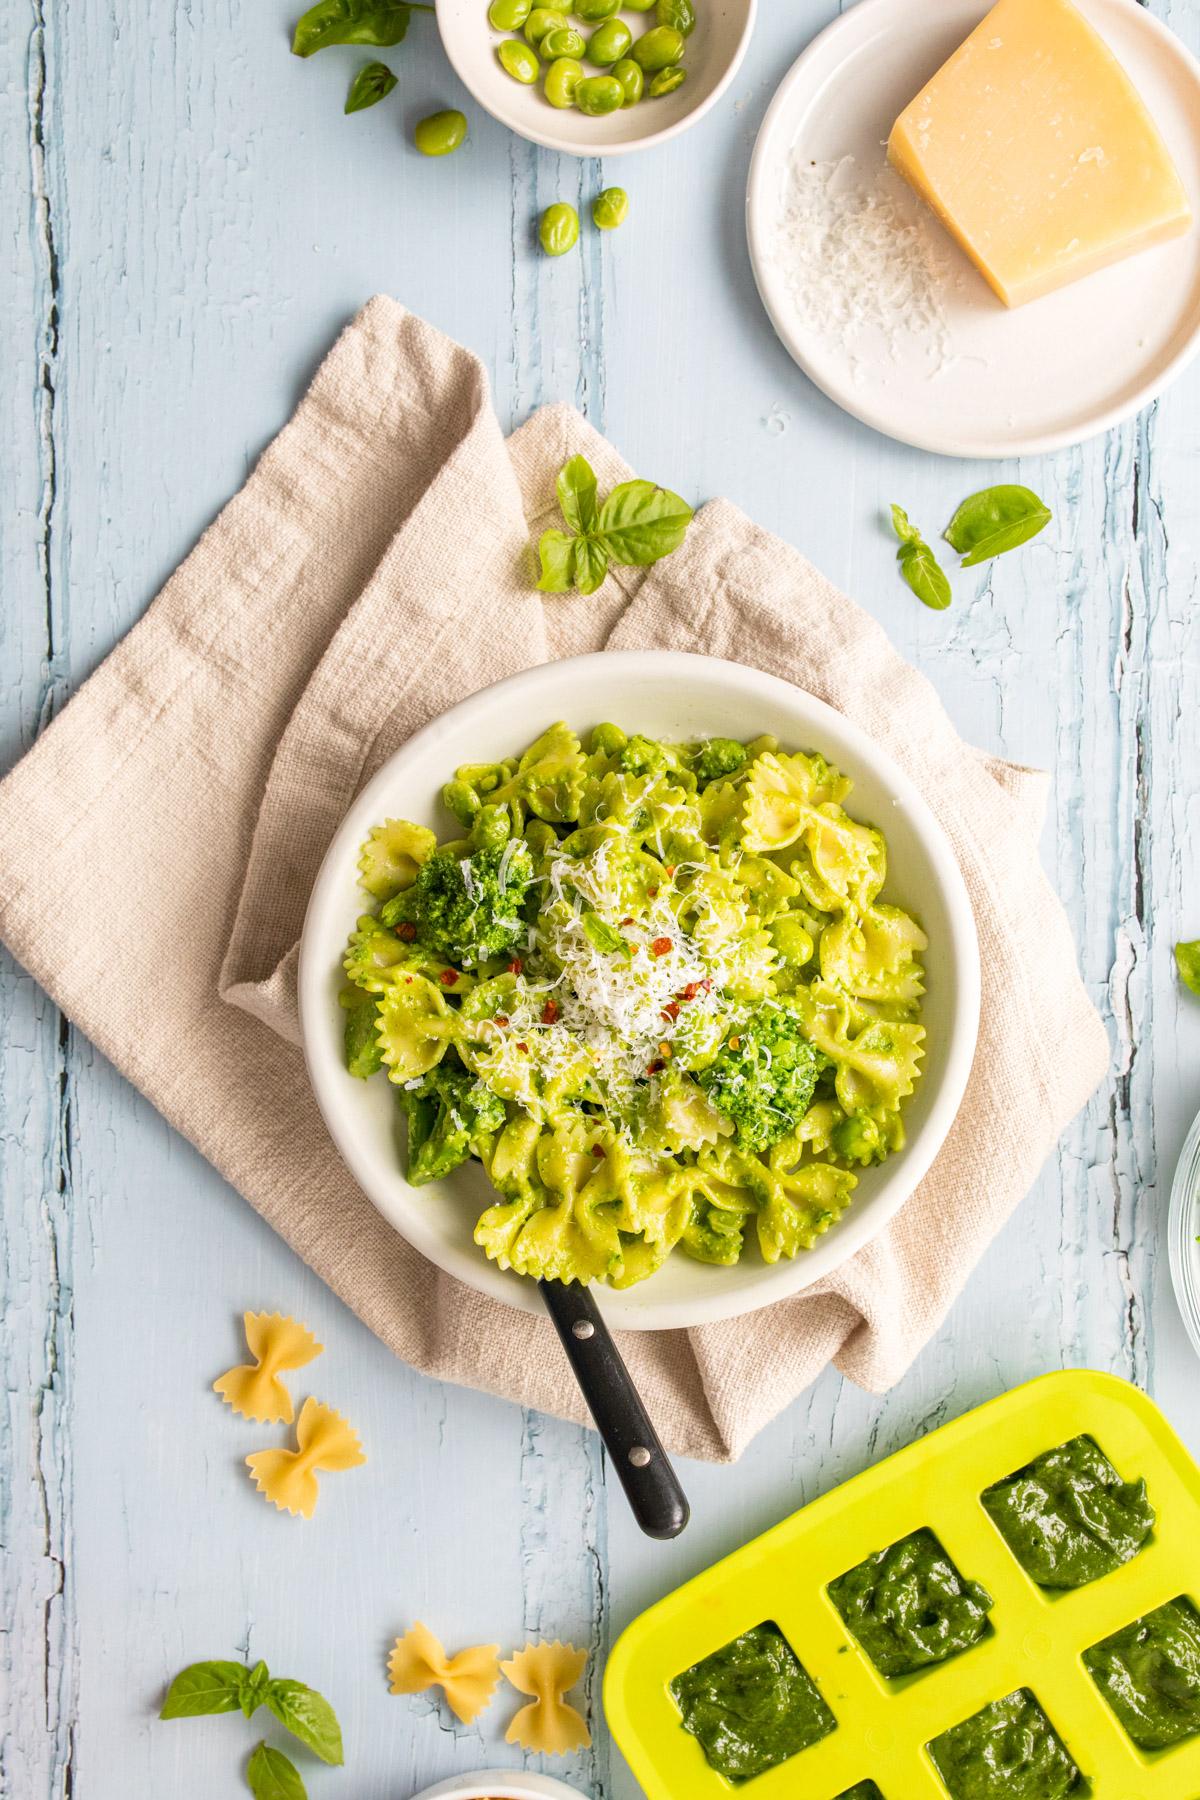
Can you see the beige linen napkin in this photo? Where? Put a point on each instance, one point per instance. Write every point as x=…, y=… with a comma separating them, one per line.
x=371, y=572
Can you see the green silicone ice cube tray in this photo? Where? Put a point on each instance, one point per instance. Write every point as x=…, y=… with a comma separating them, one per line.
x=1037, y=1636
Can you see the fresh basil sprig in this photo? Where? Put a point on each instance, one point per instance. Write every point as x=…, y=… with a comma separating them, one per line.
x=220, y=1687
x=918, y=565
x=604, y=936
x=635, y=526
x=1187, y=959
x=371, y=85
x=380, y=23
x=995, y=520
x=271, y=1775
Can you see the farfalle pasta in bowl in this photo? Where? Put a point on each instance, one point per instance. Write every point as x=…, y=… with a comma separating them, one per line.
x=640, y=1003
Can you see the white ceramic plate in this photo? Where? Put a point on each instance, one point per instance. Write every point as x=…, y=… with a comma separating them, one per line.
x=666, y=695
x=973, y=379
x=714, y=52
x=500, y=1784
x=1182, y=1230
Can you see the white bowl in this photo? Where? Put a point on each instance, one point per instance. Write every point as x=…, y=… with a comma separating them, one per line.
x=500, y=1784
x=665, y=695
x=714, y=52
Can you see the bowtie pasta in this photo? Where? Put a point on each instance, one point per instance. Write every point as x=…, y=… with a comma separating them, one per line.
x=652, y=988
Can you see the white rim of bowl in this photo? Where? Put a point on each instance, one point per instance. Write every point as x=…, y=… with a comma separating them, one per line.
x=500, y=1784
x=1181, y=1233
x=784, y=1279
x=757, y=209
x=551, y=140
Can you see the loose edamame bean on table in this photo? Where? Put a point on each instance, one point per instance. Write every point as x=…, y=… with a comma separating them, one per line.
x=519, y=60
x=609, y=208
x=659, y=48
x=559, y=229
x=666, y=81
x=679, y=15
x=543, y=19
x=440, y=133
x=562, y=79
x=509, y=15
x=609, y=43
x=631, y=79
x=599, y=94
x=564, y=40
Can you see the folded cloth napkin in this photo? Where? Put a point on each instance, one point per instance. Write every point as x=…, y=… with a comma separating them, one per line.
x=374, y=570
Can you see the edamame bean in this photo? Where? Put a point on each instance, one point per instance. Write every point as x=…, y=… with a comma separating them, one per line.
x=592, y=11
x=680, y=15
x=562, y=79
x=559, y=229
x=519, y=61
x=541, y=20
x=666, y=81
x=440, y=133
x=599, y=94
x=508, y=15
x=609, y=43
x=631, y=79
x=658, y=49
x=564, y=40
x=461, y=800
x=609, y=208
x=639, y=5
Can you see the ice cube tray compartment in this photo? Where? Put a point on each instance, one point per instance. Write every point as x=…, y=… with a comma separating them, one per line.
x=1037, y=1639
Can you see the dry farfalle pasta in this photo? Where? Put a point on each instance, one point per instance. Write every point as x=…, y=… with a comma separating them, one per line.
x=548, y=1725
x=254, y=1389
x=468, y=1680
x=323, y=1441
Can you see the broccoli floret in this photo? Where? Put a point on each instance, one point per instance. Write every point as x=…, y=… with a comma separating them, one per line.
x=717, y=757
x=364, y=1054
x=763, y=1077
x=642, y=756
x=448, y=1113
x=461, y=909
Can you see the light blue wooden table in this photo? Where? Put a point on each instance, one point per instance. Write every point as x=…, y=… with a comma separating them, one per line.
x=188, y=219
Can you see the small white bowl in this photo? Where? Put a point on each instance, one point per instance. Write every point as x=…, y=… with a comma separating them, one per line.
x=500, y=1784
x=714, y=52
x=665, y=694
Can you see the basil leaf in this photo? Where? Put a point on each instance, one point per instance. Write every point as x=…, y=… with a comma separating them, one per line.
x=639, y=523
x=378, y=22
x=369, y=87
x=605, y=936
x=924, y=574
x=908, y=534
x=589, y=564
x=556, y=553
x=271, y=1776
x=308, y=1716
x=1187, y=956
x=254, y=1688
x=995, y=520
x=205, y=1687
x=577, y=494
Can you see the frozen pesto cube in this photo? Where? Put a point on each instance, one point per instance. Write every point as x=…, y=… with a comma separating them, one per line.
x=752, y=1704
x=1149, y=1672
x=1067, y=1516
x=909, y=1607
x=1009, y=1751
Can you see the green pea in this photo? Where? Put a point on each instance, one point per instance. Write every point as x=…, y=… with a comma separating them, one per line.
x=599, y=94
x=440, y=133
x=631, y=79
x=591, y=11
x=564, y=40
x=679, y=15
x=609, y=209
x=666, y=81
x=562, y=79
x=541, y=20
x=518, y=60
x=658, y=49
x=609, y=43
x=508, y=15
x=559, y=229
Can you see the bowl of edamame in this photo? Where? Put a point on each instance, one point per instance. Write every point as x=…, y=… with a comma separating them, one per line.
x=596, y=77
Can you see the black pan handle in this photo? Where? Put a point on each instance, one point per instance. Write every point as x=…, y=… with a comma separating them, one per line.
x=651, y=1485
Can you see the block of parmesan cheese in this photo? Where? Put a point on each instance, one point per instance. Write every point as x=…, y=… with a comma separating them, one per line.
x=1034, y=149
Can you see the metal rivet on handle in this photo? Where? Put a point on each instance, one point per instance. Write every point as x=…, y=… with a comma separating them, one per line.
x=583, y=1328
x=639, y=1456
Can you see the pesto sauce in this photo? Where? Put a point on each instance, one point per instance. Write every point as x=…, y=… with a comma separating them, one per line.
x=752, y=1704
x=1149, y=1673
x=1009, y=1751
x=1068, y=1518
x=909, y=1607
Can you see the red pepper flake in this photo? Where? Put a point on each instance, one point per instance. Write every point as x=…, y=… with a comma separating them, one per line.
x=670, y=868
x=448, y=977
x=690, y=991
x=407, y=932
x=661, y=946
x=515, y=966
x=550, y=1012
x=735, y=1043
x=627, y=921
x=665, y=1051
x=652, y=893
x=500, y=1019
x=654, y=1068
x=670, y=1011
x=524, y=1047
x=598, y=1150
x=408, y=981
